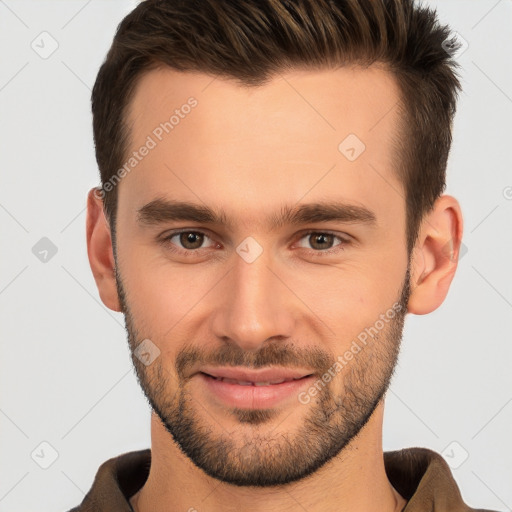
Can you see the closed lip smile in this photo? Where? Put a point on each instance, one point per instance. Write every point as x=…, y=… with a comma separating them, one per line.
x=261, y=377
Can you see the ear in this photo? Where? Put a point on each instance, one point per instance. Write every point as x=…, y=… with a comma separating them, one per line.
x=100, y=251
x=435, y=256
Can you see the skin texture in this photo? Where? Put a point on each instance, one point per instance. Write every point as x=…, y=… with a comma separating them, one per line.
x=249, y=152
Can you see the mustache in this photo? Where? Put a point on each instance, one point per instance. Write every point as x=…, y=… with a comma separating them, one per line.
x=275, y=354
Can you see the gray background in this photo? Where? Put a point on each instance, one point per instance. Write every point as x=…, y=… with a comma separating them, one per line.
x=65, y=370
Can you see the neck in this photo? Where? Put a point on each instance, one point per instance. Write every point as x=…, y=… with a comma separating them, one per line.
x=354, y=481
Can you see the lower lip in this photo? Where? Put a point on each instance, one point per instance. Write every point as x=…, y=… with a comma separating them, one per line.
x=253, y=397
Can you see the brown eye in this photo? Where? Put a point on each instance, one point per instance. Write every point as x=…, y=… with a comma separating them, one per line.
x=321, y=240
x=188, y=242
x=191, y=240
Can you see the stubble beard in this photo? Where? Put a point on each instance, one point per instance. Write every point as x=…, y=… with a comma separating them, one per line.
x=254, y=453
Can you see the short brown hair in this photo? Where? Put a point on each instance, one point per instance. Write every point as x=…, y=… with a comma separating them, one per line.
x=252, y=40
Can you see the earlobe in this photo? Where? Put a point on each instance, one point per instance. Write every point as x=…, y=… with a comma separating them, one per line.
x=100, y=251
x=435, y=256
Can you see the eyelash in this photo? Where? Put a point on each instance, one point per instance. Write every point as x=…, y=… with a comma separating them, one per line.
x=317, y=253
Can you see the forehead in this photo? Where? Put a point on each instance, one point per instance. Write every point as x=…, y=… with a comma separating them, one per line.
x=239, y=143
x=340, y=99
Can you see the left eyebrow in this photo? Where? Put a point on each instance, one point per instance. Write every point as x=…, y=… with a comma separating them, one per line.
x=322, y=212
x=161, y=210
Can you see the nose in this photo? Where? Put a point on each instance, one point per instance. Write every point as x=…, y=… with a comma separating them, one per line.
x=254, y=305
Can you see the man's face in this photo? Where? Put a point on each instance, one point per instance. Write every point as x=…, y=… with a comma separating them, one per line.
x=253, y=296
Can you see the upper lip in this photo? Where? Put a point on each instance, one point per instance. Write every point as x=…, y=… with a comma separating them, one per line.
x=261, y=375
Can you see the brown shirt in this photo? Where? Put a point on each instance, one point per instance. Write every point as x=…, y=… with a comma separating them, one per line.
x=420, y=475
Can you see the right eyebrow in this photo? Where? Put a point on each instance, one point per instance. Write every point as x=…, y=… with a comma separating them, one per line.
x=160, y=211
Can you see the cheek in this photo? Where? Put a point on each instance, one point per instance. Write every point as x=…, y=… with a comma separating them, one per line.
x=163, y=297
x=346, y=300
